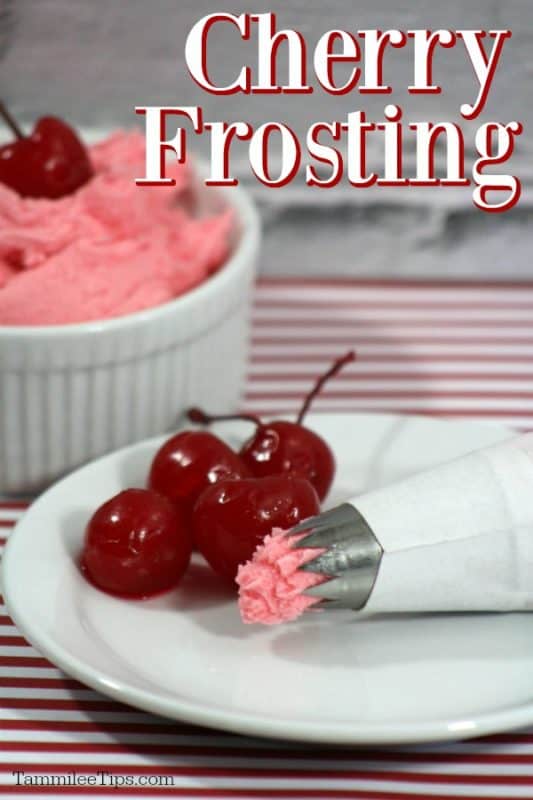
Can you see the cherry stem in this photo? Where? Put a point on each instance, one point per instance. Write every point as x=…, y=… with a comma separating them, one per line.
x=336, y=367
x=202, y=418
x=11, y=122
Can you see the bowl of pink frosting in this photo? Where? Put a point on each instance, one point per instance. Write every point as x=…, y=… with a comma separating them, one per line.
x=120, y=306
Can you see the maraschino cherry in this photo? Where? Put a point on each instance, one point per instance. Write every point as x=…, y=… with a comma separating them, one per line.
x=136, y=545
x=51, y=162
x=188, y=463
x=232, y=518
x=282, y=447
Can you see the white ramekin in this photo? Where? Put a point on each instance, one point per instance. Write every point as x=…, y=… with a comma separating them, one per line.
x=69, y=393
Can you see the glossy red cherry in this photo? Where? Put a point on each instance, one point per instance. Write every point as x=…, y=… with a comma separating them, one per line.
x=136, y=545
x=288, y=447
x=232, y=518
x=282, y=447
x=52, y=162
x=191, y=461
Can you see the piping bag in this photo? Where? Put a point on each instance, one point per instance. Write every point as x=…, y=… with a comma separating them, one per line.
x=458, y=537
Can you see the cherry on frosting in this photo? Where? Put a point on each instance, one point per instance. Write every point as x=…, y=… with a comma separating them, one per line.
x=282, y=447
x=136, y=545
x=232, y=518
x=51, y=162
x=188, y=463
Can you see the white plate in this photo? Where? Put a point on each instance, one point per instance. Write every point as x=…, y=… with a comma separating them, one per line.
x=327, y=678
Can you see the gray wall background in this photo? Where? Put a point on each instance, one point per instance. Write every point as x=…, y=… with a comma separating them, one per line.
x=94, y=60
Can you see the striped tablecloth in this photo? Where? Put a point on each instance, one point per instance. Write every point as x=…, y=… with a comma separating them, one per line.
x=452, y=350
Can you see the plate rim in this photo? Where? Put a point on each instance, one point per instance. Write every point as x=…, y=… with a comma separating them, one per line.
x=257, y=725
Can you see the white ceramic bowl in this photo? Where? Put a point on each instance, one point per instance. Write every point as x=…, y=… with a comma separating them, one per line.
x=69, y=393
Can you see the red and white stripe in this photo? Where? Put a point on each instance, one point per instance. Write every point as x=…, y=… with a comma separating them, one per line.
x=459, y=351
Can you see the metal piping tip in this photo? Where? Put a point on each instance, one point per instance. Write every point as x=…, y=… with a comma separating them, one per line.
x=351, y=559
x=335, y=515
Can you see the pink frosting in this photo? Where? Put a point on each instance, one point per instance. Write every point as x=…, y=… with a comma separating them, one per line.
x=110, y=248
x=271, y=585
